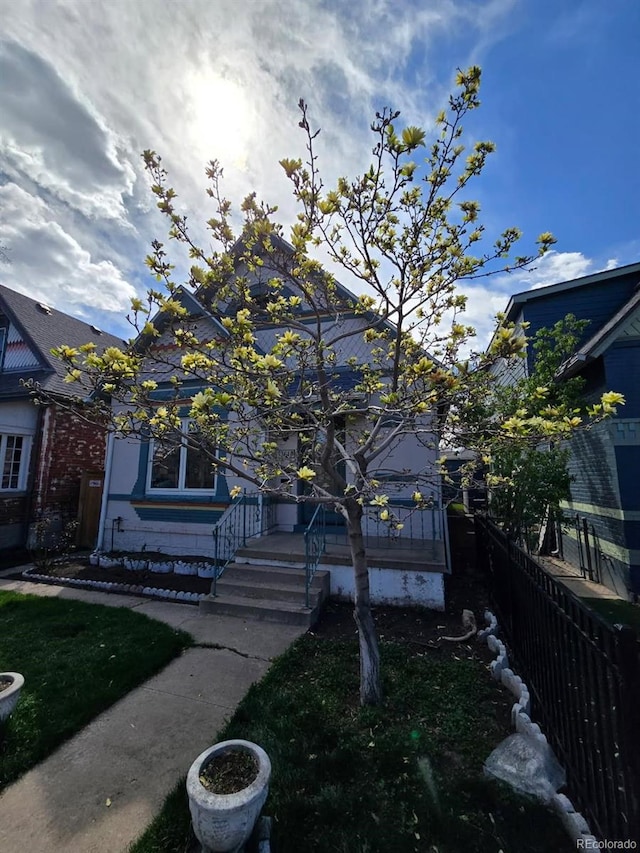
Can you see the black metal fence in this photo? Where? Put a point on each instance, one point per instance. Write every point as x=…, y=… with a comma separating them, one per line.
x=584, y=679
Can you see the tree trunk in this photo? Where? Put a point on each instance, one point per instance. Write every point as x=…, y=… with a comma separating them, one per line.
x=370, y=683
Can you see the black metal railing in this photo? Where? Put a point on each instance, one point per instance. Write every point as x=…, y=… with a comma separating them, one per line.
x=315, y=541
x=589, y=552
x=584, y=679
x=417, y=525
x=248, y=515
x=411, y=525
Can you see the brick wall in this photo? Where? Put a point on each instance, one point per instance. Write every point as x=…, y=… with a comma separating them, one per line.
x=70, y=446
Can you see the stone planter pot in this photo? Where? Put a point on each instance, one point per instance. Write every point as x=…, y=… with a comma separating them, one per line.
x=9, y=697
x=224, y=822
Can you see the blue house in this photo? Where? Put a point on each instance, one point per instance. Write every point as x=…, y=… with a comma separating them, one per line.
x=602, y=533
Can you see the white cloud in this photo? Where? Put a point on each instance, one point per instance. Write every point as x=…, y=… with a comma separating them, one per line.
x=52, y=137
x=47, y=263
x=555, y=267
x=86, y=87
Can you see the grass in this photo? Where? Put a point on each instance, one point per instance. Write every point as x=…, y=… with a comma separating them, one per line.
x=403, y=777
x=616, y=611
x=77, y=659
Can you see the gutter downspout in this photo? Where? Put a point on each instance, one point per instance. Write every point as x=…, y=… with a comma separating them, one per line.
x=108, y=464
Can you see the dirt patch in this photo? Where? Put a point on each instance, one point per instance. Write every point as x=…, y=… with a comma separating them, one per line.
x=230, y=772
x=5, y=683
x=420, y=628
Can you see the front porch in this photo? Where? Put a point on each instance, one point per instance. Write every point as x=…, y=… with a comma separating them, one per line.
x=280, y=576
x=293, y=571
x=383, y=552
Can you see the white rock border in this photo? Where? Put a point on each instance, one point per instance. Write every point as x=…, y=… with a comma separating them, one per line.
x=104, y=586
x=573, y=821
x=138, y=562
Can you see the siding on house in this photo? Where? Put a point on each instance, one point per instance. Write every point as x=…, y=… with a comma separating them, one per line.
x=605, y=459
x=17, y=418
x=595, y=302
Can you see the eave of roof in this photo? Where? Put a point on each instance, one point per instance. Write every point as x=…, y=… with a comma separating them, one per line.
x=519, y=299
x=596, y=345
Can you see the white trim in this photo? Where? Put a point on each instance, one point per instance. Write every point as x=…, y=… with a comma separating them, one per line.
x=181, y=489
x=602, y=511
x=25, y=455
x=108, y=467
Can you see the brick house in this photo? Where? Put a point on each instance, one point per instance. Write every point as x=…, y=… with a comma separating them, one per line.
x=46, y=451
x=602, y=530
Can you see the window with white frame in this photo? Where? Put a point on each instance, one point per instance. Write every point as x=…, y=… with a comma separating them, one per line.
x=176, y=465
x=14, y=462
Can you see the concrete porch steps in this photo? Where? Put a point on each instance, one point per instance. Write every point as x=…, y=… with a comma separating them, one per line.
x=269, y=593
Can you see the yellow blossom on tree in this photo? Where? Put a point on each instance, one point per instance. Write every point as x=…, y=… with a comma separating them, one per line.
x=380, y=500
x=306, y=473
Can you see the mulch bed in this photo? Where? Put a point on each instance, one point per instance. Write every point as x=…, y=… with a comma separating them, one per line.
x=420, y=628
x=81, y=570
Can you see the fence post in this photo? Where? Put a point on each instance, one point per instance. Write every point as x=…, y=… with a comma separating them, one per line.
x=629, y=666
x=244, y=519
x=509, y=573
x=587, y=547
x=214, y=582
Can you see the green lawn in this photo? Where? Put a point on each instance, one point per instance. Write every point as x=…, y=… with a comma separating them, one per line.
x=77, y=659
x=404, y=777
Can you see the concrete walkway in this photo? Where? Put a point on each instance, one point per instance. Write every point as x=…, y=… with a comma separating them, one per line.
x=571, y=577
x=99, y=790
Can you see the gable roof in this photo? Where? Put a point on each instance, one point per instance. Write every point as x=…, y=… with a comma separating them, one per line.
x=199, y=307
x=347, y=296
x=519, y=299
x=44, y=328
x=596, y=345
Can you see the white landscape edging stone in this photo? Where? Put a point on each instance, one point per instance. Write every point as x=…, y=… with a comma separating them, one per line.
x=573, y=821
x=112, y=586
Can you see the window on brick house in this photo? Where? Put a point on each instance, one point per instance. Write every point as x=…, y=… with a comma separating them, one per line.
x=14, y=460
x=179, y=467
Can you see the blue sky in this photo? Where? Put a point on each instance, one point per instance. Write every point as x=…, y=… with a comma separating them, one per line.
x=85, y=86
